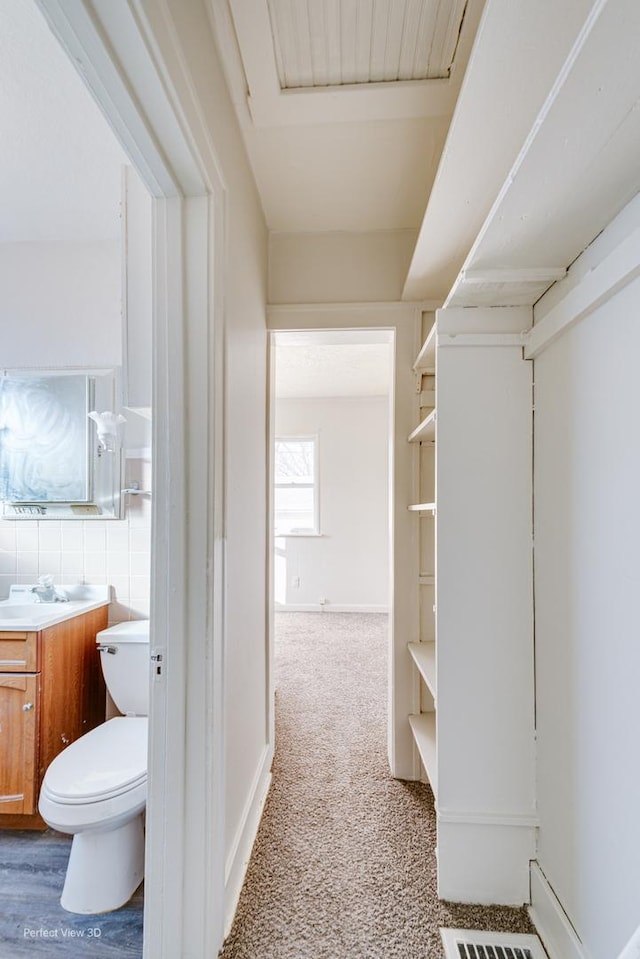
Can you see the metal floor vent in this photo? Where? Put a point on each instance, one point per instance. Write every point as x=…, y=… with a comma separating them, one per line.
x=473, y=944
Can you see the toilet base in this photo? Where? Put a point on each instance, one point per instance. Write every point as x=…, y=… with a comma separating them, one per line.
x=105, y=868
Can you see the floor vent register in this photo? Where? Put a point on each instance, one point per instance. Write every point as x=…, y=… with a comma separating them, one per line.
x=473, y=944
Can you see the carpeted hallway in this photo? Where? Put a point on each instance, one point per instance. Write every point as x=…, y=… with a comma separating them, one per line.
x=344, y=863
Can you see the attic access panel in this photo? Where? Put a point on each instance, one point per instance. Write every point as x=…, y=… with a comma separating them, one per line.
x=328, y=43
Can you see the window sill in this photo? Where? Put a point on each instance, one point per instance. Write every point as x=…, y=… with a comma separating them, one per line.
x=298, y=535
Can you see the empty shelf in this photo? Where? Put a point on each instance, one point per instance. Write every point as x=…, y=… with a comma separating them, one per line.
x=423, y=727
x=425, y=431
x=422, y=508
x=424, y=656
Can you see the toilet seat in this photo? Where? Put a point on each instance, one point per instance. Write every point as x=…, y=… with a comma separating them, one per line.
x=105, y=763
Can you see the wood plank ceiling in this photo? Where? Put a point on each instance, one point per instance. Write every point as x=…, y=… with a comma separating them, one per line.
x=324, y=43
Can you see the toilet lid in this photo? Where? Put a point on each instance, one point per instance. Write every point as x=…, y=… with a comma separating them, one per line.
x=109, y=760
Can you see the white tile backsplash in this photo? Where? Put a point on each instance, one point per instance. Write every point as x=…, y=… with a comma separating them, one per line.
x=8, y=536
x=72, y=565
x=50, y=537
x=140, y=587
x=118, y=564
x=117, y=552
x=139, y=564
x=26, y=537
x=50, y=563
x=27, y=563
x=95, y=566
x=121, y=586
x=118, y=540
x=72, y=536
x=8, y=562
x=94, y=539
x=140, y=539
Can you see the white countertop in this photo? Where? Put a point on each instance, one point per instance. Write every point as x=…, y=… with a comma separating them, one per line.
x=21, y=612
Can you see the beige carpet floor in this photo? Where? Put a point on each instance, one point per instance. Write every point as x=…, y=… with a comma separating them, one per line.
x=344, y=863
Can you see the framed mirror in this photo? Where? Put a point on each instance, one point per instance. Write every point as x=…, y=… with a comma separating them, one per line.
x=52, y=463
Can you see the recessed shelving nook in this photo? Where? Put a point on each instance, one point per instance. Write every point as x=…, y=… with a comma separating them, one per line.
x=422, y=651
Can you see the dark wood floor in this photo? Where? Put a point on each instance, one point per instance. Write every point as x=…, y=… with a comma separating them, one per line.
x=32, y=921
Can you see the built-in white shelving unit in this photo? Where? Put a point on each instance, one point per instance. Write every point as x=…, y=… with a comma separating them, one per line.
x=470, y=656
x=423, y=651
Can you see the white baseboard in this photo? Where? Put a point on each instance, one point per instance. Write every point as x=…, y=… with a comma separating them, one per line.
x=551, y=921
x=328, y=608
x=238, y=858
x=485, y=860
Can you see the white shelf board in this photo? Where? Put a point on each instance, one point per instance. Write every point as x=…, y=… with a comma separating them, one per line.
x=427, y=579
x=423, y=727
x=426, y=358
x=422, y=507
x=424, y=656
x=426, y=430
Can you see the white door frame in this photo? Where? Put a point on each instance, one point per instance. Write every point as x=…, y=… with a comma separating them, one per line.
x=127, y=55
x=405, y=320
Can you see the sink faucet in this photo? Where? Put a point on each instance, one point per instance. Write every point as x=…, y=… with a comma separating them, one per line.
x=45, y=591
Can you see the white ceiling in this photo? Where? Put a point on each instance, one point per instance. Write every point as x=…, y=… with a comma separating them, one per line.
x=335, y=363
x=358, y=155
x=60, y=164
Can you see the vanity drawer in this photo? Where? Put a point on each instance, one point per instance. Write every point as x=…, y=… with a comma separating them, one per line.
x=18, y=652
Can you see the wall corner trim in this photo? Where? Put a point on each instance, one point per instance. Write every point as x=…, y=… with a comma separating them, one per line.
x=240, y=852
x=551, y=921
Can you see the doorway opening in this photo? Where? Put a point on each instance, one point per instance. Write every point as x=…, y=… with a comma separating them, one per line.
x=75, y=250
x=331, y=447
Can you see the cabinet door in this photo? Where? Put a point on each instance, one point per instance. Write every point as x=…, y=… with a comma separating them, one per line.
x=18, y=742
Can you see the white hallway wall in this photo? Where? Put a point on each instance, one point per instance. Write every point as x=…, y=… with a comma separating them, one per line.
x=246, y=719
x=348, y=564
x=339, y=267
x=587, y=517
x=62, y=303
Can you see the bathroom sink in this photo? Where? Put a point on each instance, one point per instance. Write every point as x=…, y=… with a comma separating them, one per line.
x=21, y=612
x=11, y=611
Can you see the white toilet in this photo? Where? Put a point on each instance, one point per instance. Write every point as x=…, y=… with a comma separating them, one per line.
x=96, y=789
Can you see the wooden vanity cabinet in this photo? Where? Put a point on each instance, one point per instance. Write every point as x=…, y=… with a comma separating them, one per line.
x=51, y=693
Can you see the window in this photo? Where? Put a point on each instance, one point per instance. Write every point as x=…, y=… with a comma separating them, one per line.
x=296, y=485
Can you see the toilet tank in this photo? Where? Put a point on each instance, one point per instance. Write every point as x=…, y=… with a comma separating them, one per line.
x=124, y=656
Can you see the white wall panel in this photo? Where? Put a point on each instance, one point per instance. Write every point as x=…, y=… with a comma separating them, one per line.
x=338, y=267
x=61, y=303
x=587, y=461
